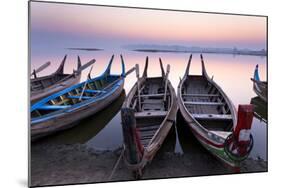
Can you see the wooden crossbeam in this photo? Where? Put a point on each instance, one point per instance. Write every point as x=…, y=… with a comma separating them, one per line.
x=150, y=114
x=201, y=95
x=212, y=116
x=204, y=103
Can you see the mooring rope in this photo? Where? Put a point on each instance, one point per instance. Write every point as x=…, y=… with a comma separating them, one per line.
x=116, y=164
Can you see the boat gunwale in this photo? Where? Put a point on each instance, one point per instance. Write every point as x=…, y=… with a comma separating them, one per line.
x=78, y=105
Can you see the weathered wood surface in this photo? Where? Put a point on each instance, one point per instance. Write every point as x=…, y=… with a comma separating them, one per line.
x=129, y=131
x=154, y=116
x=207, y=110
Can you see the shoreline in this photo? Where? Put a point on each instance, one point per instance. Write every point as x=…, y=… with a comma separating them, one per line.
x=73, y=164
x=196, y=52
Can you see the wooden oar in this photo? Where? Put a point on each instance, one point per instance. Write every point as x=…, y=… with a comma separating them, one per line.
x=84, y=87
x=166, y=81
x=78, y=71
x=126, y=74
x=39, y=69
x=108, y=86
x=138, y=84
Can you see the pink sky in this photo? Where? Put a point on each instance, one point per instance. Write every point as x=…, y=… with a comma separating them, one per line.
x=148, y=25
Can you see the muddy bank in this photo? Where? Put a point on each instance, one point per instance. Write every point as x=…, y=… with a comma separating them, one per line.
x=70, y=164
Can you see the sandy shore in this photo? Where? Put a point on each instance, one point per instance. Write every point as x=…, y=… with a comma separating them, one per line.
x=70, y=164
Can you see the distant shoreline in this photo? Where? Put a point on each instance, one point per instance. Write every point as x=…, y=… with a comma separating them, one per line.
x=254, y=53
x=86, y=49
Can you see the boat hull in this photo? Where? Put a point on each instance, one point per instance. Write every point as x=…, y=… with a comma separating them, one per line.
x=69, y=119
x=216, y=149
x=40, y=94
x=260, y=91
x=155, y=144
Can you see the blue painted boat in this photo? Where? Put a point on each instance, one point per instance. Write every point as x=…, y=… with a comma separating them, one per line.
x=65, y=108
x=259, y=87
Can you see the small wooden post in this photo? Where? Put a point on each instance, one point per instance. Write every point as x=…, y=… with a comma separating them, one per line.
x=34, y=73
x=166, y=81
x=86, y=82
x=129, y=135
x=138, y=84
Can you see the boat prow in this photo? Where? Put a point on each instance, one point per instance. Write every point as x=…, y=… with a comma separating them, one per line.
x=259, y=87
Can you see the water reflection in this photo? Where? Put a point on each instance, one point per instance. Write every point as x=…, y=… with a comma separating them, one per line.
x=223, y=67
x=169, y=143
x=88, y=128
x=260, y=108
x=187, y=141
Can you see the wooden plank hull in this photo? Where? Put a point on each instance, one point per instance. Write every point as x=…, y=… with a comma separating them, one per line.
x=39, y=94
x=209, y=113
x=70, y=118
x=216, y=149
x=156, y=142
x=148, y=114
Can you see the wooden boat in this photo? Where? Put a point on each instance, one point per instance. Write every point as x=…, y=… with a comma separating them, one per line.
x=212, y=118
x=64, y=108
x=260, y=87
x=86, y=131
x=148, y=113
x=57, y=81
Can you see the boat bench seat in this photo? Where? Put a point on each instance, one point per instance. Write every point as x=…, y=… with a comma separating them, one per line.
x=212, y=116
x=204, y=103
x=53, y=107
x=154, y=95
x=148, y=114
x=153, y=105
x=200, y=95
x=223, y=134
x=78, y=97
x=94, y=91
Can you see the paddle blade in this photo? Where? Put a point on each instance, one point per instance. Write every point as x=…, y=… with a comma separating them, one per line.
x=137, y=70
x=168, y=69
x=89, y=74
x=42, y=67
x=85, y=66
x=130, y=71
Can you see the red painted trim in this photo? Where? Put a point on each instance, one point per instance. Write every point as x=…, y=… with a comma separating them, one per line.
x=206, y=140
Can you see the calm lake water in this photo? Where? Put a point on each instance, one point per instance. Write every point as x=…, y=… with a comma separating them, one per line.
x=103, y=130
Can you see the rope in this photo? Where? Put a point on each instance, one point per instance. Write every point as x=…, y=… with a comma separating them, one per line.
x=116, y=164
x=237, y=157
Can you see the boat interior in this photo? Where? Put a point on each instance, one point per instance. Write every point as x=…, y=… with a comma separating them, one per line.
x=151, y=110
x=84, y=91
x=47, y=81
x=206, y=104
